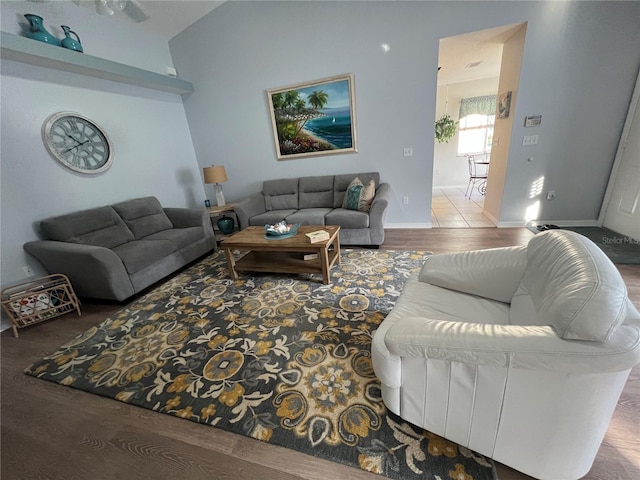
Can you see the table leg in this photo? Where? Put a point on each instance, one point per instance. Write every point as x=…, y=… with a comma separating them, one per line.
x=336, y=246
x=231, y=263
x=324, y=263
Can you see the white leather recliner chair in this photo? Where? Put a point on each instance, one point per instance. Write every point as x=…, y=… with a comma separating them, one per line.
x=518, y=353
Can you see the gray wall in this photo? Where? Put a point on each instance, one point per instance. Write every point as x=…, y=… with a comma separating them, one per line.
x=153, y=153
x=579, y=64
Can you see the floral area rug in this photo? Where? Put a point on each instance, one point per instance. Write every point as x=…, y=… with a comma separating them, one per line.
x=279, y=358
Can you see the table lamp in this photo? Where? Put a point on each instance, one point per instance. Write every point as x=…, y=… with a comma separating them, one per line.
x=216, y=174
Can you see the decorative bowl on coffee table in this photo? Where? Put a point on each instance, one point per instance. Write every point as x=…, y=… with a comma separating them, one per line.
x=280, y=230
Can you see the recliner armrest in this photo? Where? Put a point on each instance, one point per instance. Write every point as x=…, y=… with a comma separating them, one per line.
x=93, y=271
x=493, y=273
x=511, y=346
x=249, y=207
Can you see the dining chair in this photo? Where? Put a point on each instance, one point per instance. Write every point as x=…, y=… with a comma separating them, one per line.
x=478, y=173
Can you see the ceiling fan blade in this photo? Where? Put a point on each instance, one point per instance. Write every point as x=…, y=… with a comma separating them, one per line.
x=135, y=11
x=117, y=5
x=102, y=8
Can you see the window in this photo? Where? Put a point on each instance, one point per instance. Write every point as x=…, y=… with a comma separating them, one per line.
x=477, y=117
x=476, y=134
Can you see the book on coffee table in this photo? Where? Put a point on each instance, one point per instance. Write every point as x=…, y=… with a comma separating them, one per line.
x=317, y=236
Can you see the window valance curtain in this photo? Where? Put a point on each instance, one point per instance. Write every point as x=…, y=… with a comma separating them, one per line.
x=485, y=105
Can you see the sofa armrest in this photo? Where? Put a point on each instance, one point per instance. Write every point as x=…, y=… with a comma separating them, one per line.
x=190, y=217
x=494, y=273
x=511, y=346
x=93, y=271
x=249, y=207
x=378, y=212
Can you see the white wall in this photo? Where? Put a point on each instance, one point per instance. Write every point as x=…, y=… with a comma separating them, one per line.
x=502, y=144
x=448, y=168
x=578, y=72
x=579, y=66
x=153, y=153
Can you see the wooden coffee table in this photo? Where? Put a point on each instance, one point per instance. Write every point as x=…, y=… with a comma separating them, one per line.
x=283, y=255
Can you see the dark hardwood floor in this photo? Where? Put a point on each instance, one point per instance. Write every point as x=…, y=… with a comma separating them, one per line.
x=55, y=432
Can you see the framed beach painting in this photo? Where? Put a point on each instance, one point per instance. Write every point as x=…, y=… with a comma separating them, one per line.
x=504, y=104
x=314, y=118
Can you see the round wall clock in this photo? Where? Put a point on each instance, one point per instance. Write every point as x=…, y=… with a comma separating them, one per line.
x=77, y=142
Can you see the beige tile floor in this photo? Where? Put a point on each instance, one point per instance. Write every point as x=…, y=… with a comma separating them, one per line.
x=450, y=209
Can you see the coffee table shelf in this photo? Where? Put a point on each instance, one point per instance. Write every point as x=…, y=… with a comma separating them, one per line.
x=282, y=262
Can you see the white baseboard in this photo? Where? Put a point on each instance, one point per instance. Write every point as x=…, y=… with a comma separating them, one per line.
x=493, y=219
x=408, y=225
x=565, y=223
x=508, y=224
x=5, y=324
x=517, y=224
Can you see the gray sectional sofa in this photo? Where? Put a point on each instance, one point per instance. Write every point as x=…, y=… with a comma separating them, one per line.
x=115, y=251
x=317, y=200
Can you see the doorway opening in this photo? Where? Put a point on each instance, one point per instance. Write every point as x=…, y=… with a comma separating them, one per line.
x=469, y=71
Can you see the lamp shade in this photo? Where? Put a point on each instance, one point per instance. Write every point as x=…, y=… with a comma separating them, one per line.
x=214, y=174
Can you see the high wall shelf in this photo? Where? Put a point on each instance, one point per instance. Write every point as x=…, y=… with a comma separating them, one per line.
x=26, y=50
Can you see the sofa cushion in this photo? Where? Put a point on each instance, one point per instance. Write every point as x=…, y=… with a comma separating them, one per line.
x=316, y=192
x=347, y=218
x=179, y=237
x=280, y=194
x=421, y=299
x=269, y=218
x=571, y=285
x=100, y=227
x=308, y=216
x=140, y=254
x=341, y=183
x=143, y=216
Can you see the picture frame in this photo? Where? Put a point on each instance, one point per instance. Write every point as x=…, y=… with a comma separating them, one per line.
x=314, y=118
x=504, y=104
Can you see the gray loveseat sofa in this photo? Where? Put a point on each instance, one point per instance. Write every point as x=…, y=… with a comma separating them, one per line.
x=115, y=251
x=317, y=200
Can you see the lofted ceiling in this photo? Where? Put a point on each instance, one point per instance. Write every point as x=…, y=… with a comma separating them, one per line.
x=473, y=56
x=164, y=17
x=462, y=58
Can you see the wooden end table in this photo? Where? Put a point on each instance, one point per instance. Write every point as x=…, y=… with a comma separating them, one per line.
x=216, y=212
x=285, y=255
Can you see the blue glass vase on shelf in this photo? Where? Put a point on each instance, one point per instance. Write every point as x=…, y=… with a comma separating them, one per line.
x=70, y=43
x=38, y=32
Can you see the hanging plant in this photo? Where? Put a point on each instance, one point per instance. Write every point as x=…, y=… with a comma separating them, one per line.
x=445, y=128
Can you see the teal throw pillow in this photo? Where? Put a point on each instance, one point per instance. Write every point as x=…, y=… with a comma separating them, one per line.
x=352, y=197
